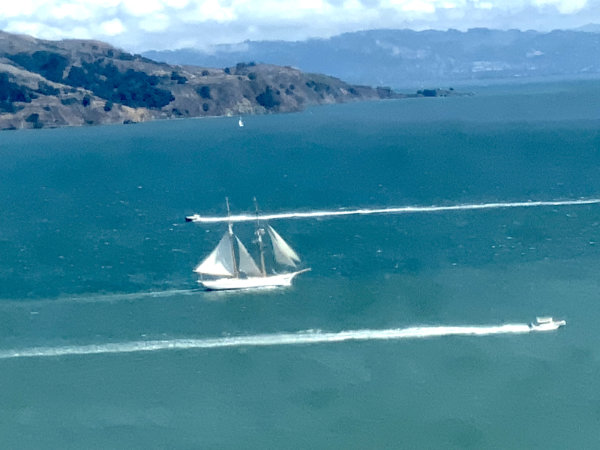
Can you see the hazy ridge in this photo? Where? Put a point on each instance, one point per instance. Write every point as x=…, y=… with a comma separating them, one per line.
x=403, y=58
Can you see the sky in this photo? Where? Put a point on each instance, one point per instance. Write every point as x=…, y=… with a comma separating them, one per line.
x=139, y=25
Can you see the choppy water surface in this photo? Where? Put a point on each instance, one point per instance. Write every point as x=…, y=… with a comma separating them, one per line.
x=436, y=229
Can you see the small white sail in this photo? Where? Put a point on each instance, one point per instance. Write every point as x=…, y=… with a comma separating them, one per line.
x=247, y=264
x=220, y=261
x=284, y=254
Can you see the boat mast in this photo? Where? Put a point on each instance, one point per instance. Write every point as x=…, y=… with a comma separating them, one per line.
x=236, y=272
x=260, y=242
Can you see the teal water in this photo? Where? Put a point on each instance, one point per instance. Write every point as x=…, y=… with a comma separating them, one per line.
x=94, y=251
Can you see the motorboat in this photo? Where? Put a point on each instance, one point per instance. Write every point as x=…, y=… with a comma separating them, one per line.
x=193, y=218
x=546, y=324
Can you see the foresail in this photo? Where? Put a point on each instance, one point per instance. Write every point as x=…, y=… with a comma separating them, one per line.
x=247, y=264
x=220, y=261
x=284, y=254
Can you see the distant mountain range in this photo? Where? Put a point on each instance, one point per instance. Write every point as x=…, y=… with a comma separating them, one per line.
x=405, y=58
x=79, y=82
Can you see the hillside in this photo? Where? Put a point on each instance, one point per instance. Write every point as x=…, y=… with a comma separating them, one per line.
x=78, y=82
x=406, y=58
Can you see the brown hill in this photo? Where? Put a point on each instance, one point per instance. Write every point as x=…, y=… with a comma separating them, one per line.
x=78, y=82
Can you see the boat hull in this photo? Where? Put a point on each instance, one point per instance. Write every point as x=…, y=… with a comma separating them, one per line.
x=271, y=281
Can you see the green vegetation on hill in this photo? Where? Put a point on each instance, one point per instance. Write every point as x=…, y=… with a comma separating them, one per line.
x=11, y=93
x=50, y=65
x=101, y=77
x=131, y=88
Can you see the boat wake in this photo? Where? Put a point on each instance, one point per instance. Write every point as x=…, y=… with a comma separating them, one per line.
x=396, y=210
x=269, y=340
x=97, y=298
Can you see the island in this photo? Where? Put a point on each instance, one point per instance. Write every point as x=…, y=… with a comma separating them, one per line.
x=47, y=84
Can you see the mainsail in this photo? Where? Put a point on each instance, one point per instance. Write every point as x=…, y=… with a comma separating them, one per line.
x=220, y=261
x=284, y=254
x=247, y=264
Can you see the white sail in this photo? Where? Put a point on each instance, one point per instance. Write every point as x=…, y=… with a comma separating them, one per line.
x=247, y=264
x=220, y=261
x=284, y=254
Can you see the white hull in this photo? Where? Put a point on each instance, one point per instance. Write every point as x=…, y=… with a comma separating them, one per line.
x=222, y=284
x=547, y=324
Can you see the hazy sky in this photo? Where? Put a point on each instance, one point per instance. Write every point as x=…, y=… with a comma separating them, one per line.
x=138, y=25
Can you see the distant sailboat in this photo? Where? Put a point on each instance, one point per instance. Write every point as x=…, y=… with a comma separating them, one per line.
x=240, y=122
x=233, y=267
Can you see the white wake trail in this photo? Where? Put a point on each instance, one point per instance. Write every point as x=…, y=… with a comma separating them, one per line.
x=397, y=210
x=95, y=298
x=269, y=340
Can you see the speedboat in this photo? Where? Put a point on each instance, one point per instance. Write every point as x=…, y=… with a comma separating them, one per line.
x=546, y=324
x=192, y=218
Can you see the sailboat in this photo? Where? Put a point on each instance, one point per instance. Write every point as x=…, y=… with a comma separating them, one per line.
x=231, y=266
x=240, y=122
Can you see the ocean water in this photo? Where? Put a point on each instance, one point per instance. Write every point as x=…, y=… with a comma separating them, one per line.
x=106, y=341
